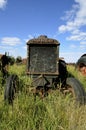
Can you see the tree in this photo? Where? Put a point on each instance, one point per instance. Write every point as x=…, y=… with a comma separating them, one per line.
x=12, y=60
x=19, y=59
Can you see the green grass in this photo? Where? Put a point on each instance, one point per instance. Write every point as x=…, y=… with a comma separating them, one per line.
x=77, y=74
x=54, y=112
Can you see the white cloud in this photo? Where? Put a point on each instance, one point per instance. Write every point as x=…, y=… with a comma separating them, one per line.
x=77, y=36
x=10, y=41
x=82, y=47
x=70, y=15
x=83, y=42
x=71, y=57
x=75, y=25
x=76, y=17
x=3, y=4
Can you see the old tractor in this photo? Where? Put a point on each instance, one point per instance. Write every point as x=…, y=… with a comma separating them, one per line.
x=47, y=70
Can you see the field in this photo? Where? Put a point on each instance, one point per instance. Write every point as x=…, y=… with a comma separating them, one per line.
x=52, y=113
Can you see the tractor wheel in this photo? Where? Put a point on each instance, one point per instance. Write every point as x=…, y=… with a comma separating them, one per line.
x=12, y=83
x=75, y=89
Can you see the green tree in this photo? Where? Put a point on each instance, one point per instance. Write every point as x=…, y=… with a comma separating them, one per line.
x=19, y=59
x=12, y=60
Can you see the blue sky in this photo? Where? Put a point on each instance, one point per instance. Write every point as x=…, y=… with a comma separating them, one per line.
x=64, y=20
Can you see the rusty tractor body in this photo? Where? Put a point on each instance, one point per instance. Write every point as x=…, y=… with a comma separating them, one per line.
x=49, y=72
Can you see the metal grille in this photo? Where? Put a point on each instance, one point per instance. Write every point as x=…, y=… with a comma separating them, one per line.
x=43, y=59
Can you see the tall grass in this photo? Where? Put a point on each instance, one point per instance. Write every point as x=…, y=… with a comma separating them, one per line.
x=77, y=74
x=54, y=112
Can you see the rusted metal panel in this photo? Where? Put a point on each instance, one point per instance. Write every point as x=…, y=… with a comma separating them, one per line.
x=43, y=40
x=43, y=56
